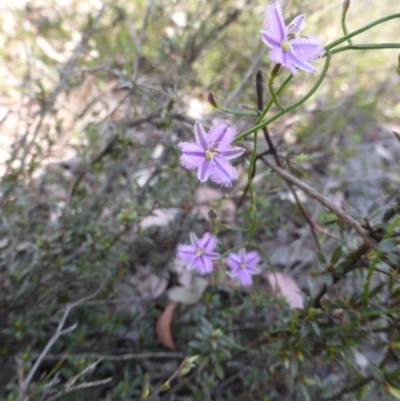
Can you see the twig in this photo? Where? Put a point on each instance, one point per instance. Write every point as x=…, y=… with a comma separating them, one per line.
x=67, y=390
x=123, y=357
x=63, y=82
x=350, y=265
x=273, y=151
x=60, y=331
x=325, y=202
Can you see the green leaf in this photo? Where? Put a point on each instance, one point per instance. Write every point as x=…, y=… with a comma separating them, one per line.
x=392, y=391
x=388, y=245
x=377, y=212
x=395, y=259
x=219, y=371
x=145, y=392
x=376, y=372
x=321, y=258
x=316, y=328
x=337, y=253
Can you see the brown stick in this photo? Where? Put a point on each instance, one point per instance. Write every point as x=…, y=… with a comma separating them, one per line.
x=325, y=202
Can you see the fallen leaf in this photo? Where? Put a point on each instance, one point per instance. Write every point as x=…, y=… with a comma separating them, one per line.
x=209, y=198
x=286, y=287
x=191, y=294
x=159, y=218
x=163, y=327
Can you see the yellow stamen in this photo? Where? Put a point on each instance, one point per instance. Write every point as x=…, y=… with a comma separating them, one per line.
x=285, y=46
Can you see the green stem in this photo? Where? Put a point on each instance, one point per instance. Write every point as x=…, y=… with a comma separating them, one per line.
x=344, y=28
x=217, y=223
x=271, y=101
x=236, y=248
x=264, y=123
x=238, y=112
x=377, y=46
x=361, y=30
x=274, y=97
x=263, y=253
x=377, y=258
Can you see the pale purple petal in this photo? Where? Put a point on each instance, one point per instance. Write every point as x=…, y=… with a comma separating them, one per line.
x=273, y=22
x=252, y=258
x=222, y=172
x=303, y=65
x=242, y=265
x=212, y=255
x=242, y=255
x=208, y=242
x=200, y=135
x=232, y=153
x=193, y=264
x=194, y=240
x=227, y=139
x=234, y=272
x=307, y=49
x=287, y=47
x=186, y=252
x=204, y=171
x=200, y=253
x=204, y=265
x=193, y=155
x=211, y=152
x=253, y=270
x=278, y=56
x=218, y=131
x=233, y=261
x=244, y=278
x=296, y=25
x=268, y=39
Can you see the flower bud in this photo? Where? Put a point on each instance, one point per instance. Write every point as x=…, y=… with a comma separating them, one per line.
x=346, y=5
x=212, y=99
x=275, y=71
x=212, y=215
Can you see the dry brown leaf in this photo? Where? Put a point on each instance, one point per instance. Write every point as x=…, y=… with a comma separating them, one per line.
x=285, y=286
x=163, y=327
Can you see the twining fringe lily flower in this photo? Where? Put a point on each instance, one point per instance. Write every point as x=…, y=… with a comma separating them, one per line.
x=243, y=266
x=199, y=253
x=211, y=152
x=288, y=48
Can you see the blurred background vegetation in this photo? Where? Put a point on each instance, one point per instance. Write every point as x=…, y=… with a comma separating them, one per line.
x=94, y=98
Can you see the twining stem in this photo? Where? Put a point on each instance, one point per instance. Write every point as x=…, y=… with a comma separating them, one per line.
x=264, y=123
x=274, y=96
x=344, y=27
x=271, y=101
x=378, y=46
x=238, y=112
x=361, y=30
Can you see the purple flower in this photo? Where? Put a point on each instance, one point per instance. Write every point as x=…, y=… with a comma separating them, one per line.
x=199, y=253
x=211, y=152
x=288, y=48
x=243, y=266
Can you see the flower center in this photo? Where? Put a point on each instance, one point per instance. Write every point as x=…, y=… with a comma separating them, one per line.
x=242, y=265
x=199, y=252
x=285, y=46
x=212, y=151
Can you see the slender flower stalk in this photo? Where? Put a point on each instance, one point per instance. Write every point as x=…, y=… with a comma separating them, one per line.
x=200, y=253
x=288, y=48
x=211, y=153
x=243, y=266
